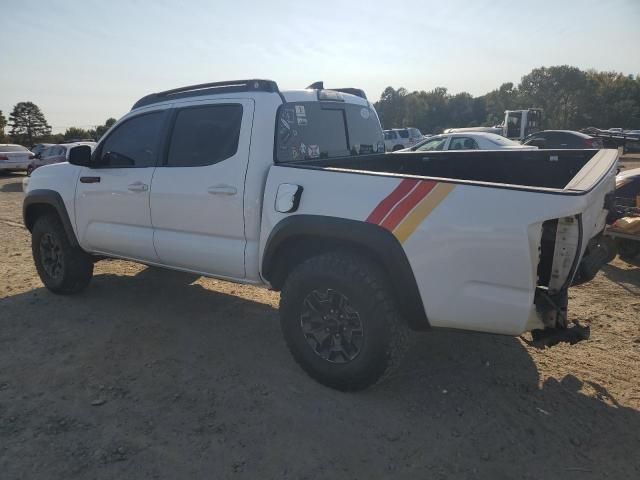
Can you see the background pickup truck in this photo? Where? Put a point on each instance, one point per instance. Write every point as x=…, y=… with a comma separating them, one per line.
x=292, y=191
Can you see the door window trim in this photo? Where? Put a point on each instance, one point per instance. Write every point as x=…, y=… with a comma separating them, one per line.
x=97, y=153
x=170, y=125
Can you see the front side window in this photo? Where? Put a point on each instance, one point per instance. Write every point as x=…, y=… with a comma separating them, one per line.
x=308, y=130
x=205, y=135
x=433, y=144
x=134, y=143
x=463, y=143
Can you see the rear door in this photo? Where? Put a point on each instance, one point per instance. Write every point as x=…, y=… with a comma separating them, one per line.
x=197, y=206
x=112, y=197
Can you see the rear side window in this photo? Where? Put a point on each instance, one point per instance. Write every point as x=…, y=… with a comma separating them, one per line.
x=308, y=130
x=403, y=133
x=389, y=135
x=134, y=143
x=463, y=143
x=205, y=135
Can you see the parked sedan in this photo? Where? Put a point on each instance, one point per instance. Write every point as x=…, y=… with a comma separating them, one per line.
x=55, y=154
x=14, y=157
x=467, y=141
x=561, y=139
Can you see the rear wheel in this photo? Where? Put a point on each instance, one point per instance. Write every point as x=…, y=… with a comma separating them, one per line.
x=63, y=269
x=397, y=147
x=340, y=321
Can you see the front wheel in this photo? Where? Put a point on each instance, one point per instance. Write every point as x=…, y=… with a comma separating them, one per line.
x=340, y=321
x=63, y=269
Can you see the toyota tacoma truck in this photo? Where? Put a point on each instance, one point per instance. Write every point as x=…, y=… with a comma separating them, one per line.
x=292, y=190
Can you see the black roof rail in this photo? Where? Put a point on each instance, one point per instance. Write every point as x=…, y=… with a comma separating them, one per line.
x=352, y=91
x=230, y=86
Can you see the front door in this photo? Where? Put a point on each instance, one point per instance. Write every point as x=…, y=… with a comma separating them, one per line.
x=197, y=194
x=112, y=197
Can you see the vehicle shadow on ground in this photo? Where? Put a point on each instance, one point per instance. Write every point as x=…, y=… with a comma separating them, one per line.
x=11, y=187
x=624, y=277
x=152, y=376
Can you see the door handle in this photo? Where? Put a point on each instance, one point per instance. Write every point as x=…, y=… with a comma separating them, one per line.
x=138, y=187
x=89, y=179
x=222, y=190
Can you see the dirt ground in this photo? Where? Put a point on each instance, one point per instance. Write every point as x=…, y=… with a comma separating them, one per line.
x=155, y=374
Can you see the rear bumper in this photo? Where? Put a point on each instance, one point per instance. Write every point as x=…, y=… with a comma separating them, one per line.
x=8, y=165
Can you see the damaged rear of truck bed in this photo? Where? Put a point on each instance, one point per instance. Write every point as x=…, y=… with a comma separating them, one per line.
x=494, y=239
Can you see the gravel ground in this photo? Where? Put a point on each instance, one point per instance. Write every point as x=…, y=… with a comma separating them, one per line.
x=157, y=374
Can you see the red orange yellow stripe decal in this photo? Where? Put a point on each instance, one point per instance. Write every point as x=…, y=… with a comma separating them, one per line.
x=385, y=206
x=406, y=207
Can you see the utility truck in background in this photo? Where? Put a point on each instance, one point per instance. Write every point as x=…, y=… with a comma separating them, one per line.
x=292, y=190
x=519, y=124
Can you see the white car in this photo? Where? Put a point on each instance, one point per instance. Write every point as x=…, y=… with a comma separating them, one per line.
x=55, y=154
x=399, y=138
x=14, y=158
x=291, y=190
x=467, y=141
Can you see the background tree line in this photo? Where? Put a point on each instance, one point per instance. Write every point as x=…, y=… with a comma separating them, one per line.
x=28, y=126
x=571, y=99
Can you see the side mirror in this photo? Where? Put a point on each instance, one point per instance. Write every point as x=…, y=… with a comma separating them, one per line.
x=38, y=155
x=80, y=155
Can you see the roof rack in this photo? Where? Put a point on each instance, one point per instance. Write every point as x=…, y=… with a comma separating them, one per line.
x=352, y=91
x=230, y=86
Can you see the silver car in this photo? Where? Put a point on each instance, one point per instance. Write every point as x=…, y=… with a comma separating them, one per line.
x=14, y=157
x=55, y=154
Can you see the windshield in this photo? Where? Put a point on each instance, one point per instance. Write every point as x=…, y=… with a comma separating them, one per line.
x=13, y=148
x=500, y=140
x=435, y=143
x=307, y=130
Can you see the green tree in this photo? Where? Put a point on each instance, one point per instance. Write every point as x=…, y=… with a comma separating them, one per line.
x=75, y=133
x=27, y=123
x=100, y=130
x=3, y=124
x=559, y=91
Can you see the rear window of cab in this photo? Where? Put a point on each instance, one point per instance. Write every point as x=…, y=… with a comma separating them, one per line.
x=309, y=130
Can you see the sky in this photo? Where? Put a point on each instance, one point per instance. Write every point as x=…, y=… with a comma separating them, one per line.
x=84, y=61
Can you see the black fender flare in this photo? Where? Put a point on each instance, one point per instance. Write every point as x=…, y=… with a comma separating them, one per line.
x=50, y=198
x=378, y=243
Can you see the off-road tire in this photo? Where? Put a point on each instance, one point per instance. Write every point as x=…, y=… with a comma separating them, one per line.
x=76, y=266
x=385, y=334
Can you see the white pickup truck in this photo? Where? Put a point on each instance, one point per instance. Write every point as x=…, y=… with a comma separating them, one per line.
x=292, y=191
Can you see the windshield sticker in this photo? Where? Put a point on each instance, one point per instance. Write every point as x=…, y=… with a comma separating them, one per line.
x=364, y=113
x=303, y=149
x=365, y=149
x=294, y=153
x=288, y=115
x=314, y=151
x=301, y=115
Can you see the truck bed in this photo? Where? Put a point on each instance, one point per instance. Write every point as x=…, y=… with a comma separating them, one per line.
x=540, y=169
